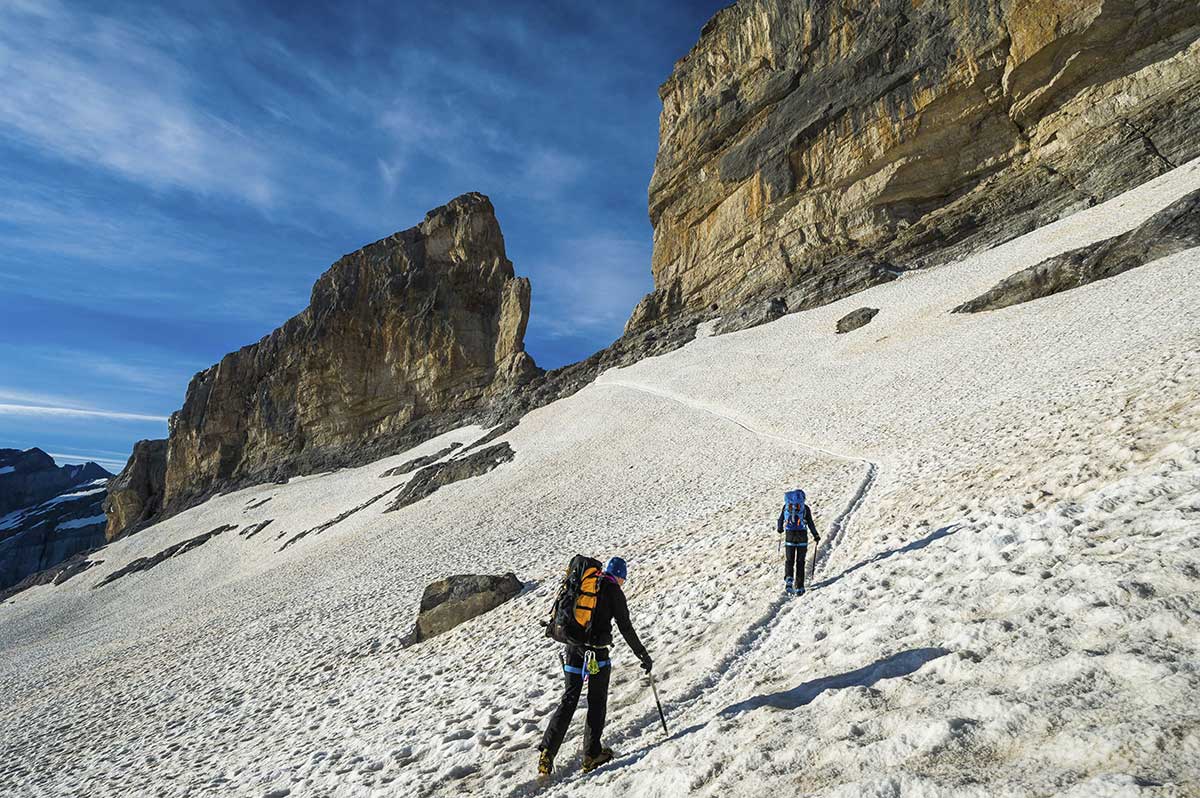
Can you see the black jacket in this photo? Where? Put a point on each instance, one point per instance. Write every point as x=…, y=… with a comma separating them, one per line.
x=610, y=606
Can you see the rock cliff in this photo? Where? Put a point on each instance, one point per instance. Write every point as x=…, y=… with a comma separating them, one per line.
x=402, y=337
x=810, y=149
x=135, y=495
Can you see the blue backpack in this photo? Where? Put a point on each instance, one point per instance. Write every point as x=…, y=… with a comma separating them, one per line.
x=793, y=513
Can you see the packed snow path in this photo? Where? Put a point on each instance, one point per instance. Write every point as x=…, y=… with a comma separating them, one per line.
x=838, y=526
x=1015, y=611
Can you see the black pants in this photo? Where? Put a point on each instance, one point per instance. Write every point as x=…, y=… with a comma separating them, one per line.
x=597, y=703
x=794, y=559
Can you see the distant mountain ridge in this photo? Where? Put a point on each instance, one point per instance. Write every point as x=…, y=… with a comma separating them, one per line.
x=47, y=512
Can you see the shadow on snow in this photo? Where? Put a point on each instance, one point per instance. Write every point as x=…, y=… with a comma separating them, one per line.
x=893, y=667
x=916, y=545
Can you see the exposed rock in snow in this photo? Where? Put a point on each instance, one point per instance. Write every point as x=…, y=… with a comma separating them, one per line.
x=1174, y=229
x=856, y=319
x=431, y=478
x=146, y=563
x=449, y=602
x=420, y=462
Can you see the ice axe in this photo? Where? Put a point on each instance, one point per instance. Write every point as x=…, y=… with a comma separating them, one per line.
x=658, y=703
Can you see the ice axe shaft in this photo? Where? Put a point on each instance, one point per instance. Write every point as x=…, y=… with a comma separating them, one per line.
x=657, y=703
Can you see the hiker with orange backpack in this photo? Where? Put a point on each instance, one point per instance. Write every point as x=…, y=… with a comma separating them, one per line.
x=589, y=600
x=795, y=522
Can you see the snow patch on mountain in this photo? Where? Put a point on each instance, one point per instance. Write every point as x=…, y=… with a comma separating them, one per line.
x=1009, y=608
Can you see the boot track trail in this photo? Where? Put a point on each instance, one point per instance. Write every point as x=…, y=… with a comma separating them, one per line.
x=729, y=669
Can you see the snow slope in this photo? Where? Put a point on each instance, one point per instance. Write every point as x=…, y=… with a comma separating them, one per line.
x=1007, y=604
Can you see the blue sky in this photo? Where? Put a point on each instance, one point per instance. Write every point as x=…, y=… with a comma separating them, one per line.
x=174, y=177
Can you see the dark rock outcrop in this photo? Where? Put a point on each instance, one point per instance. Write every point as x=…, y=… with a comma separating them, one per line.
x=135, y=495
x=856, y=319
x=428, y=480
x=810, y=149
x=56, y=574
x=52, y=512
x=146, y=563
x=420, y=462
x=1171, y=230
x=456, y=599
x=401, y=340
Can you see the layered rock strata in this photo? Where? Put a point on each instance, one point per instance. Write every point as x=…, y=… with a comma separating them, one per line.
x=809, y=149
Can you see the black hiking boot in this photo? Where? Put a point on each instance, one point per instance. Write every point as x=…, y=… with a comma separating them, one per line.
x=545, y=764
x=590, y=763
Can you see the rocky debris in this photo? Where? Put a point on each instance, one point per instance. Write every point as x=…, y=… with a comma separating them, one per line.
x=63, y=515
x=1171, y=230
x=135, y=495
x=456, y=599
x=430, y=479
x=798, y=136
x=146, y=563
x=856, y=319
x=420, y=462
x=401, y=340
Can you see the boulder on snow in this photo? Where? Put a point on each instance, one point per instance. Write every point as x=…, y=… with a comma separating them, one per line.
x=455, y=599
x=855, y=319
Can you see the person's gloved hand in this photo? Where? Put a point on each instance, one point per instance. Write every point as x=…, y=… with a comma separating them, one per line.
x=647, y=663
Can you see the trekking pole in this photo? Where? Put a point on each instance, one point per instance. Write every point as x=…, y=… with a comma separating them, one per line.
x=658, y=703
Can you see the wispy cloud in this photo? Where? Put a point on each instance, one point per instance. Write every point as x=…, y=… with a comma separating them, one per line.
x=590, y=284
x=74, y=412
x=104, y=92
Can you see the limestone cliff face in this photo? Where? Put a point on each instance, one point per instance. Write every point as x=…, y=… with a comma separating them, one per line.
x=811, y=148
x=425, y=324
x=135, y=495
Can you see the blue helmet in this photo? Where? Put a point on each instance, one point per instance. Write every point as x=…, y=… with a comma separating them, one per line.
x=616, y=567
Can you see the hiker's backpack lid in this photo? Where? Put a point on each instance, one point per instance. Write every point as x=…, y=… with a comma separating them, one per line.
x=794, y=496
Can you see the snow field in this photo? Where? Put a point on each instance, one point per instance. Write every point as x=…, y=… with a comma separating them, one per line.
x=1009, y=609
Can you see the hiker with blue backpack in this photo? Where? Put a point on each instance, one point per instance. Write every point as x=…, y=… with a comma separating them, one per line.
x=589, y=599
x=795, y=522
